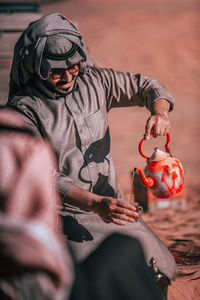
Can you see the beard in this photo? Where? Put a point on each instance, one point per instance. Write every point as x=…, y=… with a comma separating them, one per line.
x=56, y=88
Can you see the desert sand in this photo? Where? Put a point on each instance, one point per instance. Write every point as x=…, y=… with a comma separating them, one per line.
x=159, y=39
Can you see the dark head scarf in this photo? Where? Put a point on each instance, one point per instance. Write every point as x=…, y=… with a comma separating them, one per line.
x=50, y=42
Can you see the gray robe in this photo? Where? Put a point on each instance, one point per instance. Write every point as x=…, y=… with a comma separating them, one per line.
x=77, y=126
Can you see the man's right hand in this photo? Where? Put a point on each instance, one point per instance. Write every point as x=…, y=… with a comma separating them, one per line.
x=108, y=208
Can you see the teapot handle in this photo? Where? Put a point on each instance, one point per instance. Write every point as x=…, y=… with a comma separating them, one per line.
x=166, y=145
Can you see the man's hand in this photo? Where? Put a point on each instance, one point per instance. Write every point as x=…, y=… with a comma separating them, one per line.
x=158, y=123
x=116, y=211
x=108, y=208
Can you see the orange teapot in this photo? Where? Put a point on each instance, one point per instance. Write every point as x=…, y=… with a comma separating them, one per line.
x=163, y=174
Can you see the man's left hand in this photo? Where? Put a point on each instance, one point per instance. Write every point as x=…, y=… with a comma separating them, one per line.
x=158, y=123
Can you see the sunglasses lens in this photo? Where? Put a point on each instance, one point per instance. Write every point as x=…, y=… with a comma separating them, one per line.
x=73, y=69
x=57, y=73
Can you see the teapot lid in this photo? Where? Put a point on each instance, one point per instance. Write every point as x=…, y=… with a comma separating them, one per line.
x=158, y=155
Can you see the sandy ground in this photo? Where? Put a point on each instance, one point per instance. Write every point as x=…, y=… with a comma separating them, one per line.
x=159, y=39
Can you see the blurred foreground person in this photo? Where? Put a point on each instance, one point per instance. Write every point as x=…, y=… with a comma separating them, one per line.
x=35, y=263
x=63, y=97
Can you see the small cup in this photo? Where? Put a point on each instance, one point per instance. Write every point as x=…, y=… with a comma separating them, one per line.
x=139, y=208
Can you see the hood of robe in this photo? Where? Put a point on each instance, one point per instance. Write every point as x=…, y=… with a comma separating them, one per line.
x=50, y=42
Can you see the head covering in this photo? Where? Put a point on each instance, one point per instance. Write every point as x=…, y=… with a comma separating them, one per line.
x=32, y=247
x=50, y=42
x=59, y=52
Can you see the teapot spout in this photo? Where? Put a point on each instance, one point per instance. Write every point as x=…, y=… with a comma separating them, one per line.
x=148, y=181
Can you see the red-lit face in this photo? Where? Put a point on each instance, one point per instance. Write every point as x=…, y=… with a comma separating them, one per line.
x=63, y=80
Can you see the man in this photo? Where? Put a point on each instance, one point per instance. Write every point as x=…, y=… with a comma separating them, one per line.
x=34, y=258
x=65, y=99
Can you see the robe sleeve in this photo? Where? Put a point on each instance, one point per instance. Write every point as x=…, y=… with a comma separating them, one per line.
x=126, y=89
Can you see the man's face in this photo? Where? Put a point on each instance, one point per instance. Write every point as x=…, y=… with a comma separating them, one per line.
x=63, y=80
